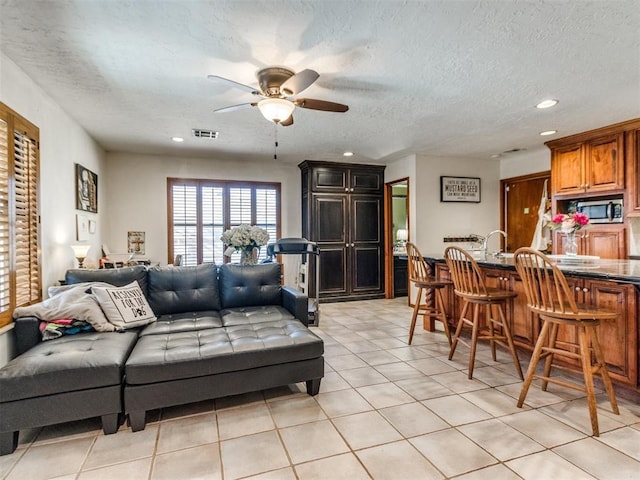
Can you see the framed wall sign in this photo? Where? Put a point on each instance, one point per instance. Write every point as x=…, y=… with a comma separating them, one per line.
x=460, y=189
x=86, y=189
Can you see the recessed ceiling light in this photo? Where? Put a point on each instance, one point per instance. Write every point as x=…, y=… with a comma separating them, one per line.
x=348, y=154
x=548, y=132
x=177, y=139
x=547, y=103
x=496, y=155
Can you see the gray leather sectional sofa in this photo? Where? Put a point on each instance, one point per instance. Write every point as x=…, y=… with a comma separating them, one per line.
x=219, y=331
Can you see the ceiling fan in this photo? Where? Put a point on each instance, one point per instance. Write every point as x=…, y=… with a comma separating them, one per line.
x=278, y=85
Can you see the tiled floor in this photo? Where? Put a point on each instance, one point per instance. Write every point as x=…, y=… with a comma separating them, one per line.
x=386, y=411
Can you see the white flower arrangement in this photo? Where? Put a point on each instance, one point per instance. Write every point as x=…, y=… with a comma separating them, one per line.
x=244, y=237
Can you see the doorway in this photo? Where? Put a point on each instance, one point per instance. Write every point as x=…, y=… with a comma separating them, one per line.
x=519, y=205
x=396, y=237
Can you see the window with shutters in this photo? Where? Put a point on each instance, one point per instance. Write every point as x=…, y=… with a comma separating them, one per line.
x=200, y=211
x=20, y=282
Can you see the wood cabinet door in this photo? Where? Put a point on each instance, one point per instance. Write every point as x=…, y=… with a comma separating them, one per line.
x=618, y=338
x=605, y=241
x=365, y=181
x=333, y=265
x=324, y=179
x=567, y=171
x=604, y=163
x=452, y=303
x=329, y=217
x=365, y=244
x=559, y=240
x=524, y=325
x=632, y=153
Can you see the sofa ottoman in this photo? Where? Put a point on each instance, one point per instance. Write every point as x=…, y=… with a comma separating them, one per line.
x=71, y=378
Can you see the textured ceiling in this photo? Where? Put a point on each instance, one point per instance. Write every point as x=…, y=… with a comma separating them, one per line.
x=444, y=78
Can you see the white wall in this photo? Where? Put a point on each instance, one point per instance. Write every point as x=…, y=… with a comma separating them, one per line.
x=137, y=196
x=405, y=168
x=62, y=143
x=524, y=163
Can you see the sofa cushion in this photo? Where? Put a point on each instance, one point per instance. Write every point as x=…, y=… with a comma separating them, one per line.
x=158, y=358
x=183, y=322
x=246, y=286
x=114, y=276
x=183, y=289
x=78, y=362
x=125, y=307
x=247, y=315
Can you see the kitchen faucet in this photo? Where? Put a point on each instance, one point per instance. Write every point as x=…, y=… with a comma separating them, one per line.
x=486, y=239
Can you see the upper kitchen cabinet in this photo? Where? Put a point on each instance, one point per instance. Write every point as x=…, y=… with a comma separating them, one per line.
x=632, y=146
x=588, y=164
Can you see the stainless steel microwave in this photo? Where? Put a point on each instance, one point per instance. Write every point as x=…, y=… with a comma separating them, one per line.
x=602, y=211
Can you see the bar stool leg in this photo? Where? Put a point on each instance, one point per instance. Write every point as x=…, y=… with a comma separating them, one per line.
x=489, y=319
x=587, y=372
x=414, y=317
x=553, y=338
x=535, y=358
x=602, y=369
x=512, y=347
x=442, y=313
x=474, y=338
x=454, y=344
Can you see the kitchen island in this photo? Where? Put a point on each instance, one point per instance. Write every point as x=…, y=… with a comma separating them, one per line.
x=610, y=284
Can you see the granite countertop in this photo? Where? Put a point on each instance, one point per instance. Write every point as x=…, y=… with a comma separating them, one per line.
x=619, y=270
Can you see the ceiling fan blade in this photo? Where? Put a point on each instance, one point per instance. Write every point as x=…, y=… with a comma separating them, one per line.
x=233, y=83
x=288, y=121
x=320, y=105
x=298, y=82
x=233, y=108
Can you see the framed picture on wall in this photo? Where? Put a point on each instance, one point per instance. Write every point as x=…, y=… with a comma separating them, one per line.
x=135, y=242
x=82, y=227
x=460, y=189
x=86, y=189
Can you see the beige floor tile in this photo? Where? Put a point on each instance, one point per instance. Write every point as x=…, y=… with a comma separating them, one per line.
x=360, y=377
x=203, y=463
x=295, y=411
x=458, y=382
x=129, y=470
x=626, y=439
x=51, y=460
x=600, y=460
x=536, y=397
x=542, y=428
x=187, y=432
x=195, y=408
x=245, y=420
x=90, y=427
x=235, y=401
x=361, y=346
x=444, y=448
x=387, y=343
x=500, y=440
x=456, y=410
x=423, y=388
x=312, y=441
x=342, y=402
x=546, y=465
x=493, y=401
x=252, y=454
x=8, y=461
x=344, y=362
x=379, y=357
x=372, y=333
x=494, y=472
x=339, y=467
x=335, y=350
x=575, y=413
x=431, y=366
x=398, y=371
x=366, y=430
x=122, y=447
x=413, y=419
x=409, y=353
x=394, y=461
x=280, y=474
x=495, y=377
x=332, y=382
x=384, y=395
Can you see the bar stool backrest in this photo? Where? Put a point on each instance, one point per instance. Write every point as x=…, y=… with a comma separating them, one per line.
x=465, y=273
x=418, y=268
x=544, y=283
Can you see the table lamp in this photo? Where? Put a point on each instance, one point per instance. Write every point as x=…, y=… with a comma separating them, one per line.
x=80, y=252
x=402, y=235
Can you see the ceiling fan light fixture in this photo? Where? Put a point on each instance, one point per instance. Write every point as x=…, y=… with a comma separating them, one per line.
x=276, y=110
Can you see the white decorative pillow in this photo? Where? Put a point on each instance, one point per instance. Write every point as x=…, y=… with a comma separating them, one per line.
x=125, y=307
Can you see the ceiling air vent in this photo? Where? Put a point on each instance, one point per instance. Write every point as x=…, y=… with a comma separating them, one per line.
x=200, y=133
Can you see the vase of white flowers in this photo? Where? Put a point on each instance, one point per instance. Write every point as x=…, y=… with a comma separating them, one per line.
x=247, y=239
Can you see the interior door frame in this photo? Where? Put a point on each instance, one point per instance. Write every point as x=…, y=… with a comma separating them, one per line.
x=388, y=232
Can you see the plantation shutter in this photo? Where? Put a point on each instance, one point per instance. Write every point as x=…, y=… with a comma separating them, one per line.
x=199, y=211
x=20, y=275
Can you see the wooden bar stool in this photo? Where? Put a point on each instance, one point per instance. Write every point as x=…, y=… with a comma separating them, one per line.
x=420, y=276
x=470, y=286
x=549, y=296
